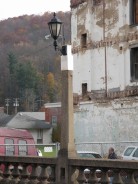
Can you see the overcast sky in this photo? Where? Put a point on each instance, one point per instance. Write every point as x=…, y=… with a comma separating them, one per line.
x=15, y=8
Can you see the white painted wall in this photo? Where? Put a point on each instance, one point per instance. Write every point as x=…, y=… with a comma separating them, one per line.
x=46, y=135
x=89, y=65
x=106, y=122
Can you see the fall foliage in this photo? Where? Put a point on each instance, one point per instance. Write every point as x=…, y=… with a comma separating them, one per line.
x=29, y=65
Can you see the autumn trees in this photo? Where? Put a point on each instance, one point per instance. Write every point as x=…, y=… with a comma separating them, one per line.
x=28, y=85
x=29, y=65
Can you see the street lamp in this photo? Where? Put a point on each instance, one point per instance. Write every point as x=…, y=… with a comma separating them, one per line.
x=67, y=144
x=55, y=26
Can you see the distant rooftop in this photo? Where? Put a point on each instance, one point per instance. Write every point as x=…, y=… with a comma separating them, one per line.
x=36, y=115
x=25, y=120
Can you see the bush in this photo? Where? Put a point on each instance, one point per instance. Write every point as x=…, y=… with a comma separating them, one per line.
x=56, y=133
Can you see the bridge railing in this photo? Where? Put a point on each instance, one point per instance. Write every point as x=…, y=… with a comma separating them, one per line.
x=31, y=170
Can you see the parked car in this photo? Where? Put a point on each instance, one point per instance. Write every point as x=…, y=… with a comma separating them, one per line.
x=88, y=154
x=130, y=153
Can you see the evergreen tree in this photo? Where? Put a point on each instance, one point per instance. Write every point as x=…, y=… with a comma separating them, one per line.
x=12, y=63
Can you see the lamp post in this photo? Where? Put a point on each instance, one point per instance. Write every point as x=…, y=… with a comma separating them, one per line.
x=67, y=144
x=55, y=26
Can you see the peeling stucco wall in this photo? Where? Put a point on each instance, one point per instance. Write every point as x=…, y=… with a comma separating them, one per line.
x=105, y=62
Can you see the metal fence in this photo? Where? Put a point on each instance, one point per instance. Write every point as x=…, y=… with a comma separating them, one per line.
x=103, y=147
x=51, y=150
x=99, y=147
x=47, y=150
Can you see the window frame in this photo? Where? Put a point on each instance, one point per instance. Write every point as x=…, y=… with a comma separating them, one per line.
x=40, y=136
x=8, y=147
x=20, y=146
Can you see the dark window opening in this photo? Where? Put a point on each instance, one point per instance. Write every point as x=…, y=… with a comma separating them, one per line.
x=84, y=40
x=39, y=136
x=134, y=11
x=84, y=89
x=134, y=64
x=54, y=120
x=136, y=70
x=62, y=172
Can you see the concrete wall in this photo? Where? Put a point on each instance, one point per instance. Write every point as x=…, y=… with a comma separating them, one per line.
x=106, y=121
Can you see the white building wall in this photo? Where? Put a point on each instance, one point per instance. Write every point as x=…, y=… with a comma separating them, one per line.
x=47, y=135
x=104, y=120
x=90, y=63
x=98, y=70
x=111, y=121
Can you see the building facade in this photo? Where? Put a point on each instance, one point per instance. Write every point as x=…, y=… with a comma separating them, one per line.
x=105, y=78
x=53, y=113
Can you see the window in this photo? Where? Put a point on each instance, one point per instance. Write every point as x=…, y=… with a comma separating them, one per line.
x=22, y=148
x=54, y=120
x=134, y=63
x=84, y=40
x=89, y=155
x=134, y=11
x=136, y=153
x=39, y=136
x=10, y=147
x=128, y=151
x=84, y=89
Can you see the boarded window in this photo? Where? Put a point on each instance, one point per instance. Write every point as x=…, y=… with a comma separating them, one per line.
x=22, y=147
x=84, y=40
x=134, y=64
x=134, y=11
x=10, y=149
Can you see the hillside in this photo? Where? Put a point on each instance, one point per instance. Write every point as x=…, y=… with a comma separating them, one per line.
x=29, y=66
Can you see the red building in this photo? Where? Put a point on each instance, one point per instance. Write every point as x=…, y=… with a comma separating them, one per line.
x=53, y=112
